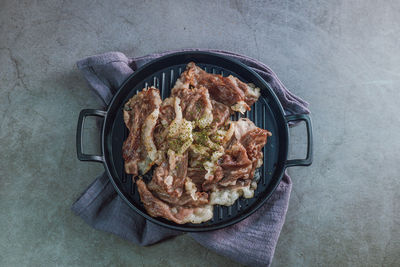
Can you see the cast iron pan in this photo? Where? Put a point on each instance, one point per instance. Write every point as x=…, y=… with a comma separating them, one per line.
x=267, y=113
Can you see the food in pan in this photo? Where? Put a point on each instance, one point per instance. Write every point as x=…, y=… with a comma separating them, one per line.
x=199, y=156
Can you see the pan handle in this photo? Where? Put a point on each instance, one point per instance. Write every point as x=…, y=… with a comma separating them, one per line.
x=309, y=158
x=79, y=135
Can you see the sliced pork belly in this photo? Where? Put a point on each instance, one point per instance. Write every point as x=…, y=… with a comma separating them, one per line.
x=220, y=114
x=243, y=155
x=253, y=141
x=196, y=105
x=178, y=214
x=140, y=116
x=235, y=165
x=230, y=91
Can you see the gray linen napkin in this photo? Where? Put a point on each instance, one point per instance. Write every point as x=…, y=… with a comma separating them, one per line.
x=250, y=242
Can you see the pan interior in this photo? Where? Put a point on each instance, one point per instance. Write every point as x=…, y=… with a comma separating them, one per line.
x=264, y=113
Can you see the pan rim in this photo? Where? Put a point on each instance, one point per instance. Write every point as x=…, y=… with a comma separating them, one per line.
x=183, y=227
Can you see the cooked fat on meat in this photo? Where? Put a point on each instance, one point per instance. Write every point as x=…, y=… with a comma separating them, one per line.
x=200, y=157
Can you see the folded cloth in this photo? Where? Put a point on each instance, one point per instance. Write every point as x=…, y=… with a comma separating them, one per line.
x=251, y=242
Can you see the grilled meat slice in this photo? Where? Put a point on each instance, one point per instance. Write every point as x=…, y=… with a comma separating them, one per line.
x=230, y=91
x=140, y=116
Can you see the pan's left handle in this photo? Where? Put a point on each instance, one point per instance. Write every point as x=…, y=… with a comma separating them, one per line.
x=309, y=157
x=79, y=135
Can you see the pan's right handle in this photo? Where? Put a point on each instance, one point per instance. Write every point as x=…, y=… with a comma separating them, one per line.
x=79, y=135
x=309, y=158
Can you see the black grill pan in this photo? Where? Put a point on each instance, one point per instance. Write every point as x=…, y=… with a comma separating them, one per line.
x=162, y=73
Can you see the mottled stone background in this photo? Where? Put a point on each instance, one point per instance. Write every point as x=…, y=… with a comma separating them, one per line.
x=341, y=56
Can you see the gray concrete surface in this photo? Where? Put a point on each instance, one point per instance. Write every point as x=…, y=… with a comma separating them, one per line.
x=341, y=56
